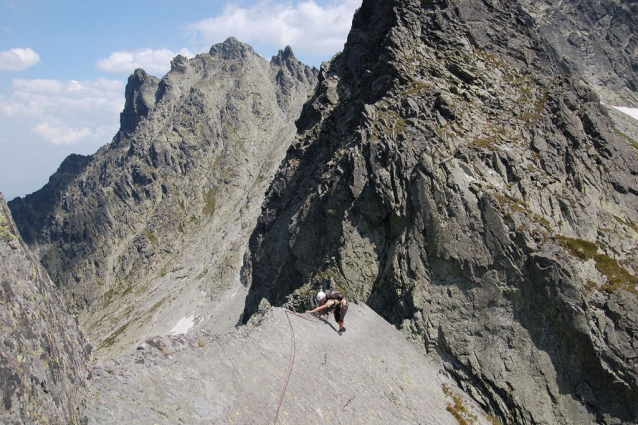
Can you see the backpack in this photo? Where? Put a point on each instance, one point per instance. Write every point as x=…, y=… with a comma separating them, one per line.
x=332, y=294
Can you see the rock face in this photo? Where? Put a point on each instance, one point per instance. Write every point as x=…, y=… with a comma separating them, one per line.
x=43, y=360
x=370, y=375
x=152, y=227
x=597, y=39
x=455, y=176
x=625, y=126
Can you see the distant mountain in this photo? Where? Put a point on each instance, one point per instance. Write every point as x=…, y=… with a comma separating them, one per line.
x=44, y=356
x=456, y=172
x=155, y=223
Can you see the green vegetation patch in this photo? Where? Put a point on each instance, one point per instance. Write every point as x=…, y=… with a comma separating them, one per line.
x=151, y=237
x=113, y=337
x=513, y=203
x=578, y=247
x=631, y=141
x=416, y=87
x=108, y=297
x=5, y=230
x=617, y=276
x=493, y=136
x=156, y=306
x=126, y=291
x=458, y=409
x=626, y=223
x=209, y=208
x=532, y=116
x=487, y=143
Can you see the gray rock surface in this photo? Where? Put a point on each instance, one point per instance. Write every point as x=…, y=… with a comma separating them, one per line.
x=43, y=359
x=152, y=228
x=370, y=375
x=626, y=127
x=596, y=39
x=453, y=176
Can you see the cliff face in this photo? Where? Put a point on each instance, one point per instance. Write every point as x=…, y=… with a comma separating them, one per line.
x=43, y=360
x=153, y=225
x=596, y=39
x=455, y=176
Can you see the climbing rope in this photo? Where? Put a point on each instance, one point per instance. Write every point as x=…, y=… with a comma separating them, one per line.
x=293, y=351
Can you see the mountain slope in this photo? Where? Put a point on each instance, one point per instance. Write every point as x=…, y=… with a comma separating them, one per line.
x=370, y=375
x=453, y=176
x=597, y=39
x=43, y=361
x=151, y=228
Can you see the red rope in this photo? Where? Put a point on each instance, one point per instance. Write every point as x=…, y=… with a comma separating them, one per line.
x=293, y=351
x=313, y=319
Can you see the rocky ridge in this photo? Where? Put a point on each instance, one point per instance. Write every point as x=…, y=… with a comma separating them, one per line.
x=370, y=375
x=152, y=228
x=454, y=175
x=44, y=356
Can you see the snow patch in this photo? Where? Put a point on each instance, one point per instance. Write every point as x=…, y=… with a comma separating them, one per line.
x=632, y=112
x=183, y=325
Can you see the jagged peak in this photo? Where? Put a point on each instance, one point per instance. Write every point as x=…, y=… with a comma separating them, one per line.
x=283, y=56
x=138, y=74
x=179, y=63
x=138, y=78
x=139, y=97
x=232, y=49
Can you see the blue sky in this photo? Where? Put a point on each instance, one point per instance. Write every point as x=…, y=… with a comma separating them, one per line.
x=64, y=63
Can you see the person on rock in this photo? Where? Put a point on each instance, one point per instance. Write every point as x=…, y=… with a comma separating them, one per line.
x=329, y=299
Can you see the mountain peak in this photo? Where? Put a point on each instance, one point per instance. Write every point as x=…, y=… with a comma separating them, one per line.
x=283, y=56
x=139, y=98
x=232, y=49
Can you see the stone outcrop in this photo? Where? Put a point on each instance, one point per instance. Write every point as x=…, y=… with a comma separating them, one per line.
x=152, y=227
x=43, y=360
x=371, y=374
x=139, y=99
x=454, y=175
x=596, y=39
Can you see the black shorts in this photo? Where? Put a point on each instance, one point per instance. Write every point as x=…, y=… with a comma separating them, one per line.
x=340, y=312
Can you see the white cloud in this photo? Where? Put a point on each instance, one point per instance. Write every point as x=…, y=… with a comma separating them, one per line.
x=18, y=59
x=307, y=27
x=152, y=61
x=61, y=134
x=66, y=112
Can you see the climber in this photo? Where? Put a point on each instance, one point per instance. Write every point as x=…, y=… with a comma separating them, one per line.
x=334, y=299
